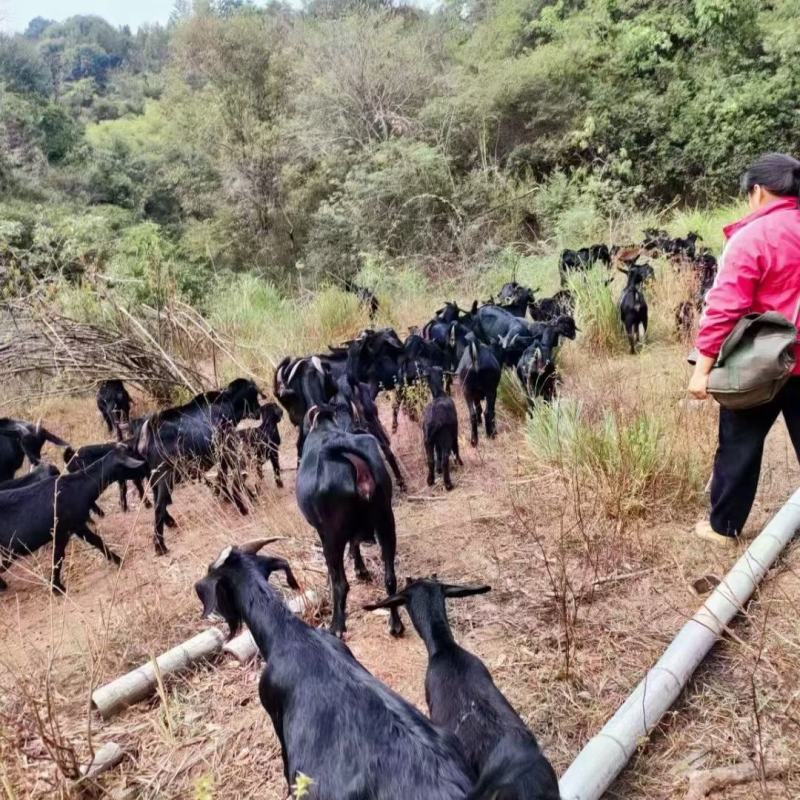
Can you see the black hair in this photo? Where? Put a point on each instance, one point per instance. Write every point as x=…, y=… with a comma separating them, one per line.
x=778, y=173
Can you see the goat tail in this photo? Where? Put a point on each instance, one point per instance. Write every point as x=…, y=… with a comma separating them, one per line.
x=364, y=477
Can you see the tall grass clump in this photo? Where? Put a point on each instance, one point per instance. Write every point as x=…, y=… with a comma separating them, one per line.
x=632, y=459
x=511, y=397
x=247, y=307
x=333, y=315
x=597, y=311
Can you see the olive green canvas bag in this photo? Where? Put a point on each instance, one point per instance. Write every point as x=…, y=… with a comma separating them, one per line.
x=755, y=362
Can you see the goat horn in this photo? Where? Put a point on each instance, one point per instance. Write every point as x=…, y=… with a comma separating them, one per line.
x=297, y=365
x=317, y=364
x=255, y=545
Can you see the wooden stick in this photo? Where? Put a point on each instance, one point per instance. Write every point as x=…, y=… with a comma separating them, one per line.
x=704, y=781
x=141, y=682
x=243, y=647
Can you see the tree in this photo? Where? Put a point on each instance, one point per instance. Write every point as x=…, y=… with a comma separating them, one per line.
x=21, y=67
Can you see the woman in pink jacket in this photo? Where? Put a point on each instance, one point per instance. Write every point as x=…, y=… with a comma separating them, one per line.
x=760, y=271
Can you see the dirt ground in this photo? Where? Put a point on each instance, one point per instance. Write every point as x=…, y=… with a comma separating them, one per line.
x=580, y=606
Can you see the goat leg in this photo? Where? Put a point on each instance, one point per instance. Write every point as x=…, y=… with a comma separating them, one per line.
x=90, y=537
x=97, y=511
x=448, y=484
x=276, y=466
x=429, y=458
x=491, y=430
x=387, y=538
x=473, y=422
x=142, y=496
x=161, y=486
x=362, y=573
x=123, y=495
x=334, y=557
x=455, y=449
x=59, y=549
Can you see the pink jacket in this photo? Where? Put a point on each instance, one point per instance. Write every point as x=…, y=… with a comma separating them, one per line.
x=759, y=271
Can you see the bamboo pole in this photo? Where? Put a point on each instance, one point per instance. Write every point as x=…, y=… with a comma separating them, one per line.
x=606, y=755
x=106, y=758
x=141, y=682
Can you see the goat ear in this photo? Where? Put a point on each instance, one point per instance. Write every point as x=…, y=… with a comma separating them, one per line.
x=206, y=589
x=623, y=271
x=455, y=590
x=214, y=597
x=254, y=545
x=395, y=601
x=270, y=564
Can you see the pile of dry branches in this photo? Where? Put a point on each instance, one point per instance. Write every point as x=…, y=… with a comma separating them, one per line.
x=36, y=343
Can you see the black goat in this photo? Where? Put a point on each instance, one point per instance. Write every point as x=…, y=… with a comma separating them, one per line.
x=479, y=373
x=506, y=334
x=582, y=260
x=516, y=299
x=301, y=384
x=440, y=430
x=188, y=440
x=419, y=357
x=370, y=743
x=61, y=502
x=549, y=308
x=19, y=440
x=366, y=297
x=537, y=369
x=114, y=404
x=345, y=493
x=361, y=415
x=633, y=304
x=263, y=441
x=463, y=698
x=84, y=456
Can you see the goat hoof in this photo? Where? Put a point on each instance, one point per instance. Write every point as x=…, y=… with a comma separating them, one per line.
x=279, y=483
x=170, y=522
x=397, y=630
x=59, y=588
x=430, y=480
x=147, y=504
x=448, y=486
x=161, y=549
x=364, y=575
x=3, y=585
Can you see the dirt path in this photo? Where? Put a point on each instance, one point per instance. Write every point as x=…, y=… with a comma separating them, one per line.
x=566, y=652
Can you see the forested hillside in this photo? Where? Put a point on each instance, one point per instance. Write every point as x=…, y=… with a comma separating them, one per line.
x=308, y=146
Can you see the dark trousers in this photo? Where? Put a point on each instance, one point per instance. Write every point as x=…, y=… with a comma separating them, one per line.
x=737, y=464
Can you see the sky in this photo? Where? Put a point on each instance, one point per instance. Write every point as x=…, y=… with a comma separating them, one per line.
x=15, y=14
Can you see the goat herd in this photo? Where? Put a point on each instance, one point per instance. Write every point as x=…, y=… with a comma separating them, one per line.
x=336, y=722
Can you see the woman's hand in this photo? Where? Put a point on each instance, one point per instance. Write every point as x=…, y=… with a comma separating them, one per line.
x=698, y=385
